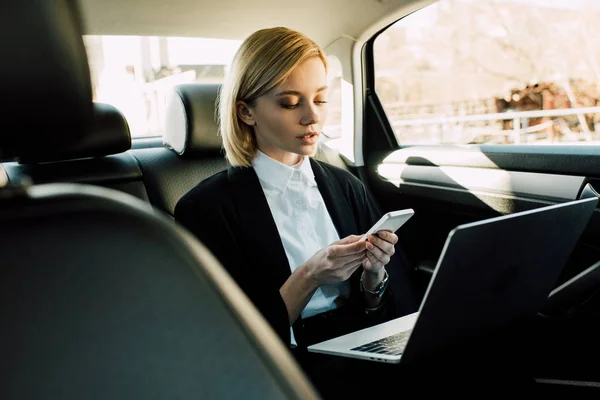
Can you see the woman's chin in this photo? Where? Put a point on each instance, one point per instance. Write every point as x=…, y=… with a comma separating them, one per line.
x=308, y=150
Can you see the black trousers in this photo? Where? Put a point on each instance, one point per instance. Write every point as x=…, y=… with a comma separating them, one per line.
x=497, y=364
x=337, y=377
x=487, y=366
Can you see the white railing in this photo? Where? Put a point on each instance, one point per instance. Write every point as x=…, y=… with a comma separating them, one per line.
x=516, y=116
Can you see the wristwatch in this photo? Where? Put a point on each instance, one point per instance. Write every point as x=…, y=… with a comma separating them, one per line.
x=380, y=289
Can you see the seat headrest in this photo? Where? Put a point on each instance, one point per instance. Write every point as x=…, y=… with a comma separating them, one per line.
x=190, y=124
x=46, y=93
x=109, y=134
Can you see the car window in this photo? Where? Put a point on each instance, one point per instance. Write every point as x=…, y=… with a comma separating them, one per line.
x=135, y=73
x=333, y=127
x=338, y=132
x=492, y=71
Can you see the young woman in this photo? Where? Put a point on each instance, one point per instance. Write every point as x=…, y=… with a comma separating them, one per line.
x=284, y=225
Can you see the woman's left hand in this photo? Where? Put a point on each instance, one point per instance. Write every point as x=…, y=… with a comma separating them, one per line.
x=380, y=248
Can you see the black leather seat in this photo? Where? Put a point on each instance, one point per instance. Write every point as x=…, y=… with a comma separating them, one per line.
x=98, y=157
x=100, y=296
x=192, y=148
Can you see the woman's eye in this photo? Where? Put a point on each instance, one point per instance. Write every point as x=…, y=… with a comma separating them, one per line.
x=290, y=106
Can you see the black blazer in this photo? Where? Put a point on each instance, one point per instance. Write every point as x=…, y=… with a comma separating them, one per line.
x=229, y=214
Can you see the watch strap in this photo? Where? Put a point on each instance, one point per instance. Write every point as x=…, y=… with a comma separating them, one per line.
x=380, y=289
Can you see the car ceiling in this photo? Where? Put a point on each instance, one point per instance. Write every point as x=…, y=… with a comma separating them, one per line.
x=322, y=20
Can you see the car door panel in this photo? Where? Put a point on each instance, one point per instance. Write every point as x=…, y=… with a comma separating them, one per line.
x=448, y=190
x=449, y=186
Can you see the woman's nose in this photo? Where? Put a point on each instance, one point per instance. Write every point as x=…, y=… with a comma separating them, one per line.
x=310, y=117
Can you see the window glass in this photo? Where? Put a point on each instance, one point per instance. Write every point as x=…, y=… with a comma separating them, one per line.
x=333, y=127
x=135, y=73
x=493, y=71
x=338, y=132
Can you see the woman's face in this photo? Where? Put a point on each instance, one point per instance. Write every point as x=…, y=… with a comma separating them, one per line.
x=287, y=121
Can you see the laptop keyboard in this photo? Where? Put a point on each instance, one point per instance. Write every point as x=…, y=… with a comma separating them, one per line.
x=393, y=345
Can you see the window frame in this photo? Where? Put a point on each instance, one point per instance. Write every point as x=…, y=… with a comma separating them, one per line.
x=362, y=75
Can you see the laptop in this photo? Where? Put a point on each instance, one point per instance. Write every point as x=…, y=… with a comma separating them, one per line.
x=490, y=274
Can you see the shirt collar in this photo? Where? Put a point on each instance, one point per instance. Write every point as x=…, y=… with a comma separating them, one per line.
x=278, y=175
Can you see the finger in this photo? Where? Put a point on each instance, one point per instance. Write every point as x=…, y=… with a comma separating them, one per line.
x=379, y=255
x=341, y=262
x=347, y=240
x=367, y=264
x=336, y=264
x=343, y=271
x=386, y=247
x=388, y=236
x=375, y=262
x=340, y=250
x=352, y=266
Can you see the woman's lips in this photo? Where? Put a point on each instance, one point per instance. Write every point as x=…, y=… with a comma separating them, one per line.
x=309, y=138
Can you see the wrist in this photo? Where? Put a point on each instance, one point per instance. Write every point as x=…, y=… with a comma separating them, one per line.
x=308, y=277
x=372, y=279
x=374, y=288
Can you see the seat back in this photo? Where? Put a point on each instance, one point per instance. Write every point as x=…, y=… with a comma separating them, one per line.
x=46, y=83
x=192, y=147
x=99, y=157
x=101, y=297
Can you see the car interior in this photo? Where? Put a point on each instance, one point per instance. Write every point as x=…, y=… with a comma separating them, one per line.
x=104, y=295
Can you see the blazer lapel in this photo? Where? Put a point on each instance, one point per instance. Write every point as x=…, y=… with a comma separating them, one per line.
x=335, y=201
x=259, y=231
x=341, y=213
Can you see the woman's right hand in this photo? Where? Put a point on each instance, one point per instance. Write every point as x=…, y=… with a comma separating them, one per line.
x=332, y=264
x=336, y=262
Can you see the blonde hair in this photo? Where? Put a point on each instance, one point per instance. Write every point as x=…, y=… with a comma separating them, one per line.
x=264, y=60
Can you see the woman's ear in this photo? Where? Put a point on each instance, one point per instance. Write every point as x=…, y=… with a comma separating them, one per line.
x=243, y=111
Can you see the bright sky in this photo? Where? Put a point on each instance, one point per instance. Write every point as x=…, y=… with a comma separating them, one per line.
x=572, y=4
x=125, y=50
x=567, y=4
x=184, y=51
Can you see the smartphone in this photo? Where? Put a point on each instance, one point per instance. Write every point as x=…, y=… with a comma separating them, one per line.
x=391, y=221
